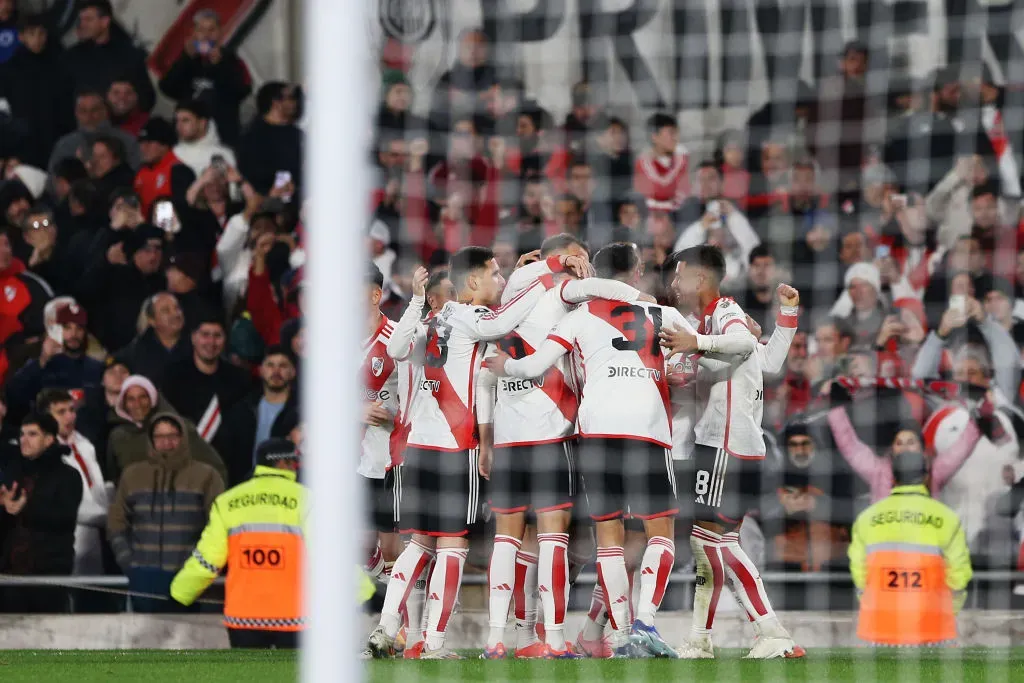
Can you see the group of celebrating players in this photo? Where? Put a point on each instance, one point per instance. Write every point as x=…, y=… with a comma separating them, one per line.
x=580, y=399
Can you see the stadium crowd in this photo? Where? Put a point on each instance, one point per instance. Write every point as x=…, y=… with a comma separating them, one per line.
x=151, y=324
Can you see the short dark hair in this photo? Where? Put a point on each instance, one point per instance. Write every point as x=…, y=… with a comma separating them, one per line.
x=196, y=107
x=660, y=120
x=48, y=398
x=40, y=209
x=561, y=241
x=269, y=93
x=34, y=20
x=843, y=328
x=987, y=188
x=465, y=261
x=115, y=145
x=104, y=7
x=374, y=276
x=708, y=163
x=435, y=279
x=46, y=423
x=278, y=350
x=805, y=165
x=617, y=259
x=90, y=92
x=210, y=318
x=760, y=251
x=70, y=169
x=566, y=197
x=705, y=256
x=85, y=193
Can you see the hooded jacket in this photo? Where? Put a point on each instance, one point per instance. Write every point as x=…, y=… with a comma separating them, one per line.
x=41, y=538
x=129, y=441
x=161, y=506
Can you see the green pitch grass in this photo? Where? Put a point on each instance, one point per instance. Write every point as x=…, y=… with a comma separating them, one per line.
x=148, y=666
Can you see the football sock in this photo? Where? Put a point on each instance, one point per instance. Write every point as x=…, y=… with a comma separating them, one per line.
x=409, y=565
x=501, y=578
x=611, y=574
x=526, y=598
x=552, y=576
x=749, y=588
x=655, y=569
x=414, y=607
x=710, y=577
x=443, y=592
x=597, y=617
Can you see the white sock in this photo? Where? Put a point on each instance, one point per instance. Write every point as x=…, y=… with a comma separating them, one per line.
x=526, y=599
x=501, y=577
x=749, y=589
x=414, y=607
x=655, y=569
x=409, y=565
x=375, y=564
x=597, y=617
x=611, y=574
x=553, y=578
x=709, y=580
x=443, y=593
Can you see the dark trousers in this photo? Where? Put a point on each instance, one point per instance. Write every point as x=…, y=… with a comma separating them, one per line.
x=34, y=600
x=156, y=583
x=252, y=639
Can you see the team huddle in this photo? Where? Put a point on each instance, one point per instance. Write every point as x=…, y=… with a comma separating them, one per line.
x=580, y=400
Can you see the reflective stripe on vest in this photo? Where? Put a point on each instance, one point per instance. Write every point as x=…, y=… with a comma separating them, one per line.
x=198, y=557
x=265, y=528
x=268, y=624
x=906, y=600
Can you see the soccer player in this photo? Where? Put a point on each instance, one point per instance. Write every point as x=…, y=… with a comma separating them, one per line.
x=727, y=456
x=534, y=467
x=441, y=468
x=380, y=386
x=625, y=428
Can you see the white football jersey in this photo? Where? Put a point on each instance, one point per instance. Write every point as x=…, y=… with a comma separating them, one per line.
x=731, y=417
x=688, y=402
x=617, y=353
x=543, y=409
x=380, y=383
x=443, y=412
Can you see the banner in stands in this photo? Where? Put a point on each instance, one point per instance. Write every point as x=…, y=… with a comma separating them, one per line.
x=681, y=55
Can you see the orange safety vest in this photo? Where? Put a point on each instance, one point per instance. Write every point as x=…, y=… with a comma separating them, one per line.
x=263, y=586
x=906, y=600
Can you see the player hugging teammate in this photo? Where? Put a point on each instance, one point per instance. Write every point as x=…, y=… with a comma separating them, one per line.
x=577, y=395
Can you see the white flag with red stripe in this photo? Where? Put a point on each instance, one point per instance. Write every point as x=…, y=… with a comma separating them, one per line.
x=209, y=423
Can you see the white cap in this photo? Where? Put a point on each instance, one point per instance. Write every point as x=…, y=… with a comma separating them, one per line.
x=863, y=271
x=380, y=232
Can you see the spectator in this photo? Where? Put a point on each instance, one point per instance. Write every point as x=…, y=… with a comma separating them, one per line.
x=8, y=29
x=832, y=342
x=161, y=343
x=768, y=186
x=62, y=364
x=613, y=161
x=123, y=103
x=96, y=413
x=209, y=71
x=906, y=259
x=792, y=394
x=757, y=298
x=272, y=143
x=862, y=305
x=15, y=203
x=462, y=89
x=235, y=250
x=268, y=310
x=662, y=171
x=874, y=209
x=809, y=521
x=37, y=90
x=39, y=497
x=392, y=155
x=395, y=119
x=91, y=116
x=107, y=166
x=952, y=203
x=875, y=470
x=137, y=408
x=159, y=512
x=188, y=278
x=198, y=142
x=21, y=311
x=628, y=221
x=45, y=255
x=205, y=388
x=105, y=52
x=730, y=155
x=162, y=173
x=80, y=455
x=720, y=223
x=532, y=226
x=580, y=118
x=260, y=416
x=379, y=245
x=214, y=197
x=593, y=218
x=67, y=172
x=990, y=99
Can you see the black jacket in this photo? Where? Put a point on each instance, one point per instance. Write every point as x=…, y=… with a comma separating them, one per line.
x=236, y=438
x=222, y=86
x=61, y=372
x=266, y=149
x=39, y=92
x=147, y=356
x=94, y=66
x=41, y=539
x=113, y=295
x=190, y=391
x=120, y=177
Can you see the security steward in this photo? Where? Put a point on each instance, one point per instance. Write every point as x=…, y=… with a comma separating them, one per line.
x=255, y=529
x=910, y=563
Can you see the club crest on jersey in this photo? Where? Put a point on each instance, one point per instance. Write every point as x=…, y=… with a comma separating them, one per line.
x=724, y=303
x=377, y=366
